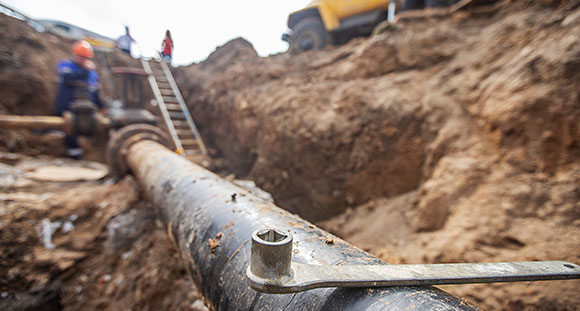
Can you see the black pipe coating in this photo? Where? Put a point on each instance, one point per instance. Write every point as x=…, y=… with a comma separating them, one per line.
x=211, y=221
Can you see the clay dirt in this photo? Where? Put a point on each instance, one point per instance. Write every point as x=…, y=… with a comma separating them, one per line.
x=441, y=138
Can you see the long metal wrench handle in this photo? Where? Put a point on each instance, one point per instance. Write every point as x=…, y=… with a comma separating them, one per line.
x=272, y=271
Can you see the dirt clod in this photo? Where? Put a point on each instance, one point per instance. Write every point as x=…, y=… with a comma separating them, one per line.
x=214, y=243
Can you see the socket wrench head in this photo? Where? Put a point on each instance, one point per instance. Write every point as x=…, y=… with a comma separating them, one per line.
x=271, y=255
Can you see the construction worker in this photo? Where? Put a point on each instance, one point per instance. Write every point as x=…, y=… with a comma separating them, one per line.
x=124, y=41
x=77, y=77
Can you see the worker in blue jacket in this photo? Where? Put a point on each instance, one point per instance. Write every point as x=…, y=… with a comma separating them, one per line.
x=77, y=78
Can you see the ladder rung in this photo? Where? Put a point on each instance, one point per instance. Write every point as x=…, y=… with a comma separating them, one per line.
x=185, y=133
x=186, y=136
x=171, y=106
x=189, y=152
x=189, y=142
x=176, y=115
x=170, y=99
x=180, y=124
x=166, y=92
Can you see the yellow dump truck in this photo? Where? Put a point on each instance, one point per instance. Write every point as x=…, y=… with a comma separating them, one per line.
x=324, y=22
x=321, y=22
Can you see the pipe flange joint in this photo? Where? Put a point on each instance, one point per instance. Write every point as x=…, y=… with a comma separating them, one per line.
x=122, y=139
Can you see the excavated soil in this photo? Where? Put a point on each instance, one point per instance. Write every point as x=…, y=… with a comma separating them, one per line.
x=83, y=245
x=442, y=138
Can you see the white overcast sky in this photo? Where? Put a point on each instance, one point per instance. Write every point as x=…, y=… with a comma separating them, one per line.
x=197, y=27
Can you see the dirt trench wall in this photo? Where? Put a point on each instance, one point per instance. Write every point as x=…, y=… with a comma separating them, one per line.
x=327, y=130
x=28, y=62
x=317, y=145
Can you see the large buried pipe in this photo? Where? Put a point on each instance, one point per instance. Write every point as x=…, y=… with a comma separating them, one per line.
x=212, y=221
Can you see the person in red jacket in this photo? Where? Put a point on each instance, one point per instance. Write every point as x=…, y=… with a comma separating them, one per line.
x=167, y=47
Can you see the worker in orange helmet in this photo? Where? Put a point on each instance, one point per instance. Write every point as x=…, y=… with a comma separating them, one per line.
x=77, y=77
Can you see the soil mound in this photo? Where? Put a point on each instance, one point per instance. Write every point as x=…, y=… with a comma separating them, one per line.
x=84, y=245
x=28, y=62
x=235, y=51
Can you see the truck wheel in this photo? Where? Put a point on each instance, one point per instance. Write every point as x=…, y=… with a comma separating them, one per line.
x=414, y=5
x=436, y=3
x=309, y=34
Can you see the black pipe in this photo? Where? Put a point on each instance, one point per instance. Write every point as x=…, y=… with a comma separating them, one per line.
x=212, y=220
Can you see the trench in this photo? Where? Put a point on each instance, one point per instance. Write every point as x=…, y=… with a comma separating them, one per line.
x=461, y=148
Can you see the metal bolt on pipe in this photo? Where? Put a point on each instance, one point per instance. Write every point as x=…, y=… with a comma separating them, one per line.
x=213, y=233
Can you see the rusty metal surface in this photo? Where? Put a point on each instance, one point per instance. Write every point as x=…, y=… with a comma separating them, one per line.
x=120, y=140
x=212, y=220
x=86, y=124
x=32, y=122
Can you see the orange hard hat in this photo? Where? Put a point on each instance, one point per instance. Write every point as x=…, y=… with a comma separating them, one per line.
x=83, y=48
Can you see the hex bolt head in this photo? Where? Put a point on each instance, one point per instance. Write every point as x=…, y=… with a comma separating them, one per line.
x=271, y=255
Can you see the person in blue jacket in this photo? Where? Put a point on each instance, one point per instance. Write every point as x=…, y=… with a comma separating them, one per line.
x=77, y=78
